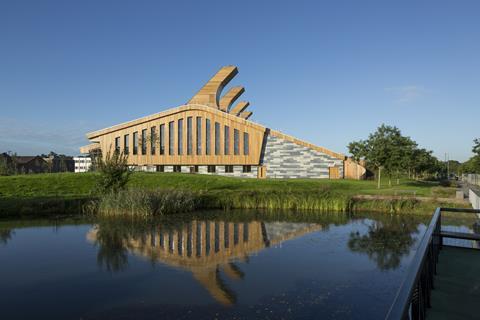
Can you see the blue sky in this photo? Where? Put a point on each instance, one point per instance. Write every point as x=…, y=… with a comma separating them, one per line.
x=328, y=72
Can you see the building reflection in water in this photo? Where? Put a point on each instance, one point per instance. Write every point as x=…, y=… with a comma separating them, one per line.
x=209, y=249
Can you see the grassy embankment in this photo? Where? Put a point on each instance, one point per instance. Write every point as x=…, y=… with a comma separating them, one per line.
x=45, y=194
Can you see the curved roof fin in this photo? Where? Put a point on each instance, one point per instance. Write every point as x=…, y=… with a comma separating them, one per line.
x=239, y=107
x=245, y=115
x=229, y=98
x=209, y=94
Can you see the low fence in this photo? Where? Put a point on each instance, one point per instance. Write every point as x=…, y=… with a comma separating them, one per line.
x=471, y=178
x=414, y=296
x=474, y=198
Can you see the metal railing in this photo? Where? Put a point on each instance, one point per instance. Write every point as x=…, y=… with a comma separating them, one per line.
x=471, y=178
x=414, y=296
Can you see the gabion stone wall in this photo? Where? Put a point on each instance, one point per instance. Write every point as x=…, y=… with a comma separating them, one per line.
x=286, y=159
x=219, y=170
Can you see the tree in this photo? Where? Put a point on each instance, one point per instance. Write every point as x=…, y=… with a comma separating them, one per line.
x=387, y=150
x=476, y=147
x=472, y=165
x=383, y=149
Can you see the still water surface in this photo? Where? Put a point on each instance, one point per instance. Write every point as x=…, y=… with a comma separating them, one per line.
x=239, y=265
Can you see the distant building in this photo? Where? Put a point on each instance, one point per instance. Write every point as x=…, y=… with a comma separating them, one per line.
x=82, y=163
x=60, y=163
x=212, y=135
x=28, y=164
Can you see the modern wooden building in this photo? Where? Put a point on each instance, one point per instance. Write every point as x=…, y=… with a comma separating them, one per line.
x=212, y=134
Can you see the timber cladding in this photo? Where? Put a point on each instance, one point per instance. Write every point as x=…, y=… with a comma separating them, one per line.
x=106, y=138
x=212, y=130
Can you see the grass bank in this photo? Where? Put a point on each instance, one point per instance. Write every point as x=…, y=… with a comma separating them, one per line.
x=44, y=194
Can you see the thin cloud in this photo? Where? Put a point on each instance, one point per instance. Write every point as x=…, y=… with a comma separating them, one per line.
x=27, y=137
x=406, y=94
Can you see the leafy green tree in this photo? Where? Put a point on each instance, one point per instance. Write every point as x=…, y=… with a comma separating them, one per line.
x=382, y=149
x=387, y=150
x=476, y=146
x=472, y=165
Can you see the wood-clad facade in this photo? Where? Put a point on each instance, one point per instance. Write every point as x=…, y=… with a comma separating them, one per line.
x=206, y=137
x=211, y=131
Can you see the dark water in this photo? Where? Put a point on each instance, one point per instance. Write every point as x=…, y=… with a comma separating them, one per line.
x=204, y=266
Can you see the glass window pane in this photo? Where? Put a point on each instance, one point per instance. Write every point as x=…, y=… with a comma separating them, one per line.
x=144, y=141
x=153, y=139
x=246, y=148
x=189, y=135
x=126, y=141
x=236, y=142
x=117, y=144
x=180, y=136
x=162, y=139
x=171, y=138
x=207, y=136
x=135, y=142
x=199, y=135
x=217, y=138
x=226, y=140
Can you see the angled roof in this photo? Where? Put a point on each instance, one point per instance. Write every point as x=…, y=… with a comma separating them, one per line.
x=208, y=99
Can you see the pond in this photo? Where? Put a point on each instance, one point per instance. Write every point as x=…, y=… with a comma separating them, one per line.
x=235, y=265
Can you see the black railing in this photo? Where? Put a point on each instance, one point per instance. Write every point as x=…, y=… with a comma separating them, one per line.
x=413, y=297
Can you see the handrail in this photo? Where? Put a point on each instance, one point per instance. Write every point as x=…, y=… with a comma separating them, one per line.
x=400, y=308
x=413, y=297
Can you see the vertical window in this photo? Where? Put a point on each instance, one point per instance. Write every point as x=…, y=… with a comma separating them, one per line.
x=199, y=135
x=247, y=169
x=189, y=135
x=162, y=139
x=171, y=138
x=160, y=169
x=177, y=168
x=207, y=136
x=144, y=141
x=236, y=142
x=180, y=137
x=245, y=144
x=211, y=169
x=117, y=144
x=226, y=140
x=135, y=142
x=217, y=138
x=153, y=140
x=126, y=141
x=229, y=169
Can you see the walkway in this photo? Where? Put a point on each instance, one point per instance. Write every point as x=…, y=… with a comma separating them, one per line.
x=457, y=285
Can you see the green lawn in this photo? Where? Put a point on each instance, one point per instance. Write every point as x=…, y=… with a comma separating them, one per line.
x=71, y=185
x=70, y=193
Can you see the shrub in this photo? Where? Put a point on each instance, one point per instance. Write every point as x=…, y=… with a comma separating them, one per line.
x=145, y=203
x=113, y=173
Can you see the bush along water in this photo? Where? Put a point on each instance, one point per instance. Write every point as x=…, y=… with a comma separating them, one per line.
x=145, y=203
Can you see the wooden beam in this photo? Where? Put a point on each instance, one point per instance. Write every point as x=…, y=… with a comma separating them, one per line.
x=239, y=107
x=209, y=94
x=245, y=114
x=229, y=98
x=90, y=147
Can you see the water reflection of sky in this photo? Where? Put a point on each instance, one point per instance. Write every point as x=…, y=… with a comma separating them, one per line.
x=348, y=267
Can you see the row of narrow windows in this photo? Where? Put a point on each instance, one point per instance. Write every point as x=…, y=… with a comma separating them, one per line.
x=210, y=169
x=155, y=139
x=202, y=235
